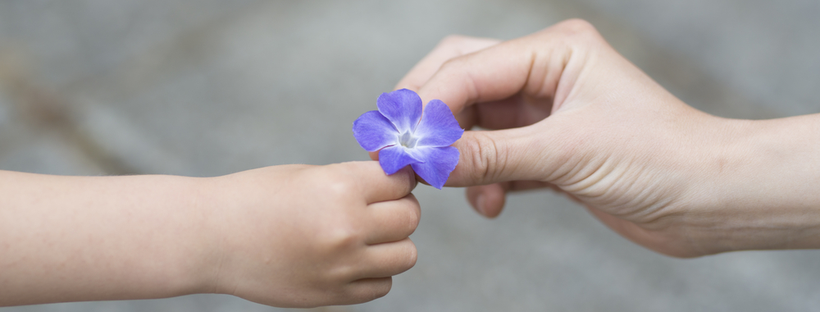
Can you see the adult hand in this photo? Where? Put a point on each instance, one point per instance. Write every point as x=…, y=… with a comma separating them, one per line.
x=577, y=117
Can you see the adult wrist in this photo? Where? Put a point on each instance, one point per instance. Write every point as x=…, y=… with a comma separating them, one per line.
x=761, y=187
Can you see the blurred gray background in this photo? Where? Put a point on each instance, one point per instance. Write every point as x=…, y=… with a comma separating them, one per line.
x=206, y=88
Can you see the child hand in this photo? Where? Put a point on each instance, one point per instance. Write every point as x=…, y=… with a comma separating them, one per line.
x=304, y=236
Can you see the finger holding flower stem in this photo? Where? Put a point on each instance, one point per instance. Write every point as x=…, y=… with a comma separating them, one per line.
x=403, y=136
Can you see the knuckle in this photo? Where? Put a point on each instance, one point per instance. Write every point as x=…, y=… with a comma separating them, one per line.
x=338, y=183
x=415, y=215
x=453, y=64
x=582, y=30
x=381, y=290
x=341, y=237
x=577, y=25
x=340, y=189
x=340, y=273
x=339, y=229
x=453, y=40
x=404, y=257
x=484, y=158
x=374, y=290
x=409, y=177
x=464, y=44
x=574, y=30
x=461, y=69
x=412, y=256
x=413, y=223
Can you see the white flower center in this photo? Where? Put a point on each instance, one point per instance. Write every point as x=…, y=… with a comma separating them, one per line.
x=407, y=140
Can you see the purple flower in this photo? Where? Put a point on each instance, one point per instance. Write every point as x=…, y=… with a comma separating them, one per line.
x=403, y=136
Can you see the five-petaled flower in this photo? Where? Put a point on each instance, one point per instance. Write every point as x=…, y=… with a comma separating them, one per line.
x=404, y=136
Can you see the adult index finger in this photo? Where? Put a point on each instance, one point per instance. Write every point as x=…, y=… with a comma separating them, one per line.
x=449, y=47
x=532, y=65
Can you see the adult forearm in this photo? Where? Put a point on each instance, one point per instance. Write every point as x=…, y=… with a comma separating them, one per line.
x=98, y=238
x=764, y=192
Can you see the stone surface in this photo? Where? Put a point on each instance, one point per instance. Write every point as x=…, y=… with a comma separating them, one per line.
x=206, y=88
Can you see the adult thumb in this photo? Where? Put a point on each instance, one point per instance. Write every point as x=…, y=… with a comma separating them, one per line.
x=526, y=153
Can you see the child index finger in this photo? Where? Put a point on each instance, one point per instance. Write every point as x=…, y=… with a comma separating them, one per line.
x=377, y=186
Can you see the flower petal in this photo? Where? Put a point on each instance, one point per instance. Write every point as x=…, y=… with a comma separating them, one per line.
x=402, y=107
x=437, y=163
x=438, y=126
x=394, y=158
x=373, y=131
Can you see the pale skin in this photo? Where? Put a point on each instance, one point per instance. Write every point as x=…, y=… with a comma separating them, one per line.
x=565, y=111
x=287, y=236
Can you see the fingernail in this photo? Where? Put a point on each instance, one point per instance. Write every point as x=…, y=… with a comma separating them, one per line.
x=479, y=204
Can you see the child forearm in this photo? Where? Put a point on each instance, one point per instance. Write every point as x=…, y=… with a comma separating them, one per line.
x=99, y=238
